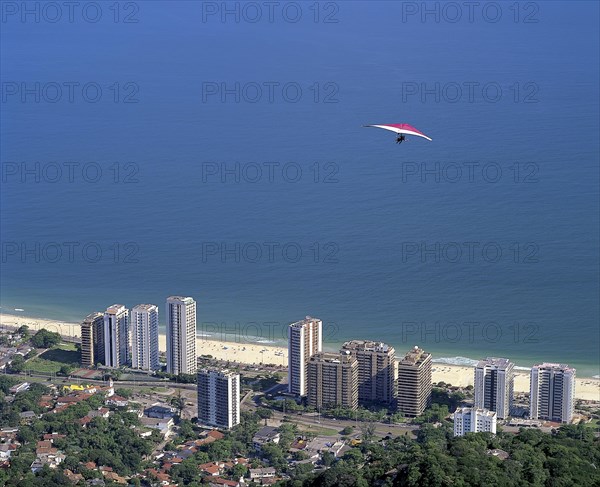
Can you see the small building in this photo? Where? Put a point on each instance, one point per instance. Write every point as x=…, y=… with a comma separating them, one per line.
x=267, y=434
x=159, y=411
x=474, y=420
x=262, y=473
x=322, y=444
x=24, y=386
x=117, y=401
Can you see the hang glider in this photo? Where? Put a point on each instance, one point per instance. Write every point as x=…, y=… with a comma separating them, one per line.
x=402, y=129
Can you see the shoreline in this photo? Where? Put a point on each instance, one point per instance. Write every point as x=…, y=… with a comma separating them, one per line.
x=257, y=353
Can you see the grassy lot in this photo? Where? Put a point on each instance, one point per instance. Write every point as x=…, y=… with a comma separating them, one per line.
x=318, y=430
x=53, y=359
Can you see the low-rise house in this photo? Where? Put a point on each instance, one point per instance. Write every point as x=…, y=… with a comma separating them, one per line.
x=22, y=387
x=220, y=482
x=117, y=401
x=163, y=425
x=211, y=468
x=322, y=444
x=159, y=411
x=27, y=416
x=6, y=450
x=262, y=473
x=267, y=434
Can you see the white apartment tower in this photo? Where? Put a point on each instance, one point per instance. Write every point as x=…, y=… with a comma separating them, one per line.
x=305, y=338
x=144, y=337
x=181, y=335
x=116, y=336
x=494, y=384
x=473, y=420
x=218, y=398
x=552, y=392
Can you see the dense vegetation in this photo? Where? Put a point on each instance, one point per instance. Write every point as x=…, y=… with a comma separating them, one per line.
x=568, y=457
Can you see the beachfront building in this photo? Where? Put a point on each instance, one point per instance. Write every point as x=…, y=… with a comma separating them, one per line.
x=144, y=337
x=552, y=392
x=116, y=336
x=304, y=340
x=181, y=335
x=494, y=384
x=376, y=370
x=414, y=382
x=473, y=420
x=332, y=380
x=91, y=329
x=218, y=398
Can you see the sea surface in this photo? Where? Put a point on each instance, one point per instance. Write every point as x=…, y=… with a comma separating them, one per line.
x=267, y=206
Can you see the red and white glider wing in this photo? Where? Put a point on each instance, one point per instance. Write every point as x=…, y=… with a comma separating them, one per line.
x=401, y=128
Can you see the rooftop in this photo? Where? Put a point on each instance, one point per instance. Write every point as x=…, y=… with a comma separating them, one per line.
x=501, y=363
x=333, y=358
x=367, y=345
x=145, y=307
x=415, y=356
x=550, y=365
x=307, y=321
x=115, y=309
x=180, y=300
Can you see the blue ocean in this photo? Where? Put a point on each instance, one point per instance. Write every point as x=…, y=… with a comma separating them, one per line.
x=217, y=150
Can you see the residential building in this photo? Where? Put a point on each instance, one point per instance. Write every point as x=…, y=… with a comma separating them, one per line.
x=90, y=328
x=181, y=335
x=116, y=336
x=267, y=434
x=218, y=398
x=144, y=337
x=159, y=411
x=414, y=382
x=333, y=380
x=376, y=370
x=473, y=420
x=304, y=340
x=552, y=392
x=494, y=384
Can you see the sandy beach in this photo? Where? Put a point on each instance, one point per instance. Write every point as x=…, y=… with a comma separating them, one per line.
x=256, y=354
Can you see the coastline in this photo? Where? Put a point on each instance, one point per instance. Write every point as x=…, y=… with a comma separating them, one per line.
x=586, y=388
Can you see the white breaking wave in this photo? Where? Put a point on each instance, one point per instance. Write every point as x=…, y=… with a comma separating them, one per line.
x=465, y=361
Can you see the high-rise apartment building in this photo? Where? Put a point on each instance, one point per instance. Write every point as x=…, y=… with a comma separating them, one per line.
x=473, y=420
x=552, y=392
x=218, y=398
x=116, y=336
x=304, y=340
x=376, y=370
x=414, y=382
x=181, y=335
x=91, y=329
x=332, y=380
x=144, y=337
x=494, y=384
